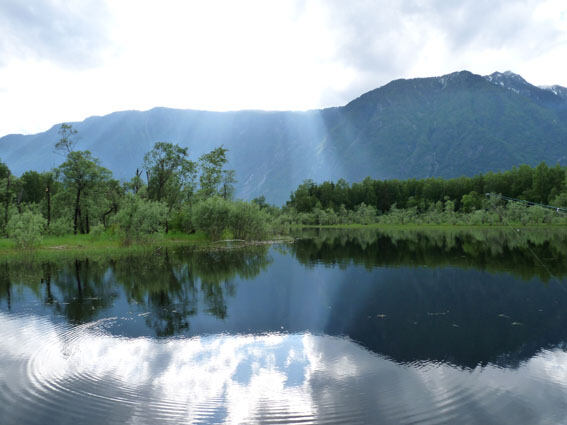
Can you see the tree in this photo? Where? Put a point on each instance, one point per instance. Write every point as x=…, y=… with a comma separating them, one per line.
x=67, y=140
x=6, y=193
x=169, y=171
x=171, y=175
x=213, y=175
x=470, y=202
x=82, y=172
x=49, y=182
x=110, y=196
x=227, y=187
x=33, y=189
x=303, y=199
x=4, y=170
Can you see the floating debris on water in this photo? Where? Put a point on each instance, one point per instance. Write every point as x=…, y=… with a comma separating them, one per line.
x=503, y=315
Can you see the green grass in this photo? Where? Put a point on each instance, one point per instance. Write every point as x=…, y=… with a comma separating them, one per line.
x=106, y=245
x=103, y=244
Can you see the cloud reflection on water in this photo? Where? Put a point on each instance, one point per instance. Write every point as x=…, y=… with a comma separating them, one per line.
x=255, y=378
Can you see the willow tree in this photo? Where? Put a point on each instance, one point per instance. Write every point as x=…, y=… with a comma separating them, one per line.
x=171, y=175
x=214, y=179
x=80, y=174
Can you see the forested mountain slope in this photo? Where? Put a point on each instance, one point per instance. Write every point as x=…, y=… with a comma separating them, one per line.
x=446, y=126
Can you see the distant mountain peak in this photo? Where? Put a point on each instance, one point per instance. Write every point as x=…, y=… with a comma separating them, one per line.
x=556, y=90
x=508, y=79
x=553, y=96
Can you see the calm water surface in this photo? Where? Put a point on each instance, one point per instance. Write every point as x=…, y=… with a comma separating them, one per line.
x=338, y=327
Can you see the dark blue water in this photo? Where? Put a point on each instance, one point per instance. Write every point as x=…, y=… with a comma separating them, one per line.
x=334, y=328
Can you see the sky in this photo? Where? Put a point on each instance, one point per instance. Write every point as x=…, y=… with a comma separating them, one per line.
x=63, y=61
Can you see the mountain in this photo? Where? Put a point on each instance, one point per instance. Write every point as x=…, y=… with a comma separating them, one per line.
x=456, y=124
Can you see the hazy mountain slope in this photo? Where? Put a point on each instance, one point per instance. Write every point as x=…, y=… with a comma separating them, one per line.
x=452, y=125
x=447, y=126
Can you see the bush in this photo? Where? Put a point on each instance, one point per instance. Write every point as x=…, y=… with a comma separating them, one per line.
x=211, y=216
x=248, y=221
x=26, y=229
x=60, y=227
x=180, y=219
x=138, y=218
x=97, y=231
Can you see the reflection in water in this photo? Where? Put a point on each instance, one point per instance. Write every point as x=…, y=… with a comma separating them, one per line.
x=351, y=327
x=285, y=378
x=526, y=254
x=166, y=285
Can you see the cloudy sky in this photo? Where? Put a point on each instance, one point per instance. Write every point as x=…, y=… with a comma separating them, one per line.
x=63, y=60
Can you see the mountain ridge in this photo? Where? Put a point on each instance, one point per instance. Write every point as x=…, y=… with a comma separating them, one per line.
x=456, y=124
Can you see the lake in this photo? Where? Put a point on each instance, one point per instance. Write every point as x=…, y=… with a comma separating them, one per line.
x=357, y=327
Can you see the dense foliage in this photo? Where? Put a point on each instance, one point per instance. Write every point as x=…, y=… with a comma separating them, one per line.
x=26, y=229
x=178, y=194
x=80, y=196
x=434, y=200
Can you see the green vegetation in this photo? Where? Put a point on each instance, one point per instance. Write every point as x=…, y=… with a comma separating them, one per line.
x=80, y=197
x=435, y=201
x=182, y=196
x=26, y=229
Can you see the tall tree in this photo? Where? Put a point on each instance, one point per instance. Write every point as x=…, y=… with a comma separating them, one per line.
x=6, y=194
x=214, y=180
x=80, y=173
x=67, y=138
x=49, y=183
x=227, y=186
x=171, y=175
x=169, y=171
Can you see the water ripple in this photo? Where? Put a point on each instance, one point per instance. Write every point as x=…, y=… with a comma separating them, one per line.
x=60, y=374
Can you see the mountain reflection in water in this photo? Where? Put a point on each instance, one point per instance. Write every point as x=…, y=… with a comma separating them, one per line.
x=351, y=327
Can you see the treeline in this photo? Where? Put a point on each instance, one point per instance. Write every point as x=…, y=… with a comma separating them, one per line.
x=434, y=200
x=169, y=192
x=172, y=192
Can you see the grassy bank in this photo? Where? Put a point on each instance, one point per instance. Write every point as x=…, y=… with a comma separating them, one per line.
x=82, y=246
x=89, y=245
x=77, y=244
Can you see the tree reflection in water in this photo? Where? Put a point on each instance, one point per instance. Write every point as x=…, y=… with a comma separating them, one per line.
x=466, y=298
x=166, y=283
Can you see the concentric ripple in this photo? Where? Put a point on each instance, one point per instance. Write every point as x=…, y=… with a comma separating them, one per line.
x=59, y=374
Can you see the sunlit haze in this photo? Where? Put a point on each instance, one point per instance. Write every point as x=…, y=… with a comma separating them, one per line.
x=64, y=61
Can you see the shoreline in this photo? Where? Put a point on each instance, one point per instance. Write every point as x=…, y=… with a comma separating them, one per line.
x=81, y=245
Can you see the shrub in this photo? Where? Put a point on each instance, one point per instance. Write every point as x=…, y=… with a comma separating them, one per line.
x=26, y=229
x=211, y=216
x=97, y=231
x=181, y=220
x=60, y=227
x=247, y=221
x=138, y=218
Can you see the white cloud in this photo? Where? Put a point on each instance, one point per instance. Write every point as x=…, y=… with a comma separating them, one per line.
x=62, y=62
